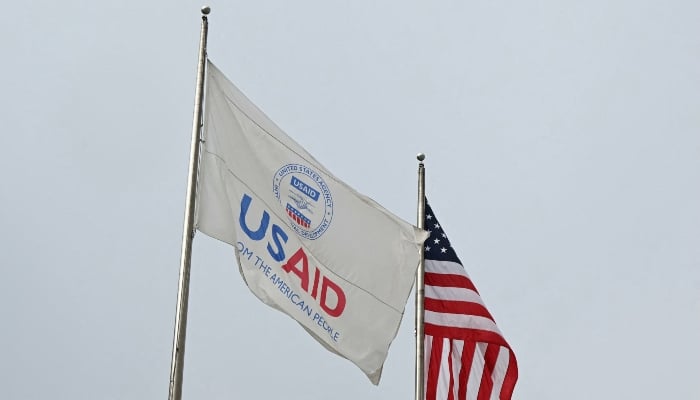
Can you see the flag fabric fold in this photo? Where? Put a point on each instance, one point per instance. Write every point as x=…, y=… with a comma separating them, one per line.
x=466, y=356
x=306, y=243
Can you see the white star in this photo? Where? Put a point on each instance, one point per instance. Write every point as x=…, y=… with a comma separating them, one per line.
x=437, y=226
x=428, y=216
x=443, y=235
x=436, y=241
x=427, y=248
x=443, y=250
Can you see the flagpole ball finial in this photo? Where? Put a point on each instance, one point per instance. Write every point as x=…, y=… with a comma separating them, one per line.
x=206, y=10
x=420, y=157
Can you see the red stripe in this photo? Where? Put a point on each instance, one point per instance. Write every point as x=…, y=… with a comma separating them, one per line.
x=451, y=388
x=449, y=280
x=510, y=378
x=467, y=359
x=468, y=352
x=433, y=369
x=457, y=307
x=486, y=386
x=466, y=334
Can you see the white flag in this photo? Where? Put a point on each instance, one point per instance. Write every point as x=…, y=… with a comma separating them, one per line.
x=307, y=244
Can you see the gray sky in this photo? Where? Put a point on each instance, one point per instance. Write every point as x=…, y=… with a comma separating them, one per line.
x=563, y=145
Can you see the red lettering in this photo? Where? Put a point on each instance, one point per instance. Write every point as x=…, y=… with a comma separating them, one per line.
x=314, y=291
x=303, y=273
x=298, y=264
x=340, y=304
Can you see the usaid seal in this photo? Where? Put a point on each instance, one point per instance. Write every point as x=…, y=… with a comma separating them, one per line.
x=306, y=199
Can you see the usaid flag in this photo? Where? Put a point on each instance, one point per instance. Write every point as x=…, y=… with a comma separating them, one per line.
x=306, y=243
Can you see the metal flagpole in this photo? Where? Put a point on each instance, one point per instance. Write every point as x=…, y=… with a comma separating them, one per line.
x=178, y=356
x=420, y=287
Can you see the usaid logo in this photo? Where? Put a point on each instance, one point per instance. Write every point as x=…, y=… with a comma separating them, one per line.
x=305, y=198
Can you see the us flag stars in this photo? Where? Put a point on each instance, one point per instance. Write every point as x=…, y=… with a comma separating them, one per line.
x=437, y=246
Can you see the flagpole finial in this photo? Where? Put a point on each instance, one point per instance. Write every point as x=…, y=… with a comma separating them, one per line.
x=206, y=10
x=420, y=157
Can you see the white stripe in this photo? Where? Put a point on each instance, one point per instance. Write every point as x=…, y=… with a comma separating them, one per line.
x=427, y=350
x=445, y=267
x=499, y=372
x=457, y=349
x=460, y=321
x=452, y=293
x=476, y=371
x=443, y=385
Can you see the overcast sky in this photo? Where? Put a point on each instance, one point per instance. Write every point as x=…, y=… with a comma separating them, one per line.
x=563, y=160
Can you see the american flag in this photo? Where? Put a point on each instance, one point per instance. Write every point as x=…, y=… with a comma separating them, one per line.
x=466, y=357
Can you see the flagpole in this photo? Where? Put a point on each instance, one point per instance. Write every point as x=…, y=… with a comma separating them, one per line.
x=420, y=287
x=178, y=354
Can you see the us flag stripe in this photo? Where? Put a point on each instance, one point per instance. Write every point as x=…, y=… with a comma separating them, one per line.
x=466, y=356
x=457, y=307
x=434, y=362
x=474, y=335
x=448, y=280
x=457, y=321
x=453, y=294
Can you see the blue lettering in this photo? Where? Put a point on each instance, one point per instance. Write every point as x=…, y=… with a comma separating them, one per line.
x=303, y=307
x=260, y=233
x=277, y=234
x=318, y=318
x=304, y=188
x=244, y=251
